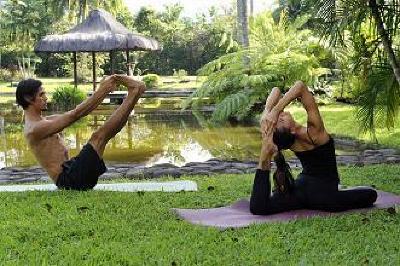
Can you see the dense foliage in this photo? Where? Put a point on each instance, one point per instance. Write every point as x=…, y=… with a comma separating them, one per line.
x=188, y=43
x=359, y=46
x=279, y=54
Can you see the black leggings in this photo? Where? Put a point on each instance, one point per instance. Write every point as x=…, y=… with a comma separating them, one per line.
x=309, y=193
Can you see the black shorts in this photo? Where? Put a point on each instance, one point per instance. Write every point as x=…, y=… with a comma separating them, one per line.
x=81, y=172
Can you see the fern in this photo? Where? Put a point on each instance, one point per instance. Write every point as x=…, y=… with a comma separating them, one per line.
x=230, y=106
x=279, y=54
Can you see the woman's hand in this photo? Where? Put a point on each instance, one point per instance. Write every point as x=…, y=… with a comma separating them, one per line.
x=268, y=148
x=270, y=118
x=268, y=122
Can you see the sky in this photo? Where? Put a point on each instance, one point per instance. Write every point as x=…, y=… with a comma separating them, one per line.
x=193, y=7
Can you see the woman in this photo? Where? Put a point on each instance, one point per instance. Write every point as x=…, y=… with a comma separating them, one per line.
x=317, y=185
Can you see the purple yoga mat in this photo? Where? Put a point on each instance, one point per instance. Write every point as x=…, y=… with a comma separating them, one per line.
x=238, y=215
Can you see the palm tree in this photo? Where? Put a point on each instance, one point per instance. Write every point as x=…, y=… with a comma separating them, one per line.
x=351, y=14
x=380, y=84
x=243, y=25
x=78, y=9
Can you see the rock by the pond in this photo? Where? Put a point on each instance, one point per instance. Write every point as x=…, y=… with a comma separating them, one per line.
x=166, y=172
x=136, y=173
x=111, y=175
x=234, y=171
x=15, y=175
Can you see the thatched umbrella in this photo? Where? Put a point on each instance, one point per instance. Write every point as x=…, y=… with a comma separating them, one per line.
x=100, y=32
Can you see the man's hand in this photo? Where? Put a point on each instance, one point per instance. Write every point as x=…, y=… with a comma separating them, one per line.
x=109, y=83
x=131, y=83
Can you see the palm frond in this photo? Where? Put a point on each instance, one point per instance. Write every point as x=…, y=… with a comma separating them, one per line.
x=379, y=99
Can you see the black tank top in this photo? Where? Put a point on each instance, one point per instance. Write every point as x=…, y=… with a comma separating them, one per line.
x=320, y=162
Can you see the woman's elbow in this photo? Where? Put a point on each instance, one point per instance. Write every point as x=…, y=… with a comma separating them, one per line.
x=300, y=83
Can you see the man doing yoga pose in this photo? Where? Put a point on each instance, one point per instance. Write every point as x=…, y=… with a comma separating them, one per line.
x=317, y=185
x=43, y=133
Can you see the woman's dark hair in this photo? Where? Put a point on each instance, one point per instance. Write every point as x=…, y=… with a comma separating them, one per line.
x=27, y=90
x=283, y=179
x=283, y=139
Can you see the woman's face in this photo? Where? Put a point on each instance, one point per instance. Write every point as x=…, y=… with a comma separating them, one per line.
x=285, y=121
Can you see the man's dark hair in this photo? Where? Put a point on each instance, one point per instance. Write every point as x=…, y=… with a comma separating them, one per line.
x=27, y=90
x=283, y=138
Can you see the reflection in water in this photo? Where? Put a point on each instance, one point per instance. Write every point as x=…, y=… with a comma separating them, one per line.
x=191, y=152
x=147, y=138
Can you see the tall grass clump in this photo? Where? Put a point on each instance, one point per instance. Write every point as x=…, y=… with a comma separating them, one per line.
x=67, y=97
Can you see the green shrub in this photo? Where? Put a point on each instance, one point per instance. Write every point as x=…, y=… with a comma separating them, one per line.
x=9, y=75
x=5, y=75
x=151, y=80
x=181, y=74
x=67, y=97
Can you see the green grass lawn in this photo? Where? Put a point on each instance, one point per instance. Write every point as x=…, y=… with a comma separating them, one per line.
x=50, y=84
x=340, y=120
x=172, y=83
x=110, y=228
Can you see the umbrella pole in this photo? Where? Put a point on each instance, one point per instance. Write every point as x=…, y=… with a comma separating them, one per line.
x=128, y=65
x=75, y=72
x=94, y=70
x=112, y=62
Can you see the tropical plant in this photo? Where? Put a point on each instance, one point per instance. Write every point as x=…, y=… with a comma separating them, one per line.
x=151, y=80
x=8, y=75
x=187, y=43
x=78, y=9
x=22, y=23
x=372, y=26
x=279, y=55
x=67, y=97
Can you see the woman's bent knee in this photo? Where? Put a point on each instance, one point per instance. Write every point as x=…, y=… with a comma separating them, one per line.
x=372, y=195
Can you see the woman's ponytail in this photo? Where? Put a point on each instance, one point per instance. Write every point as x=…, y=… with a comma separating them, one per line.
x=283, y=179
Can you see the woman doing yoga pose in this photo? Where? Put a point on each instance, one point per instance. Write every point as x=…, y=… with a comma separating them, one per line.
x=317, y=185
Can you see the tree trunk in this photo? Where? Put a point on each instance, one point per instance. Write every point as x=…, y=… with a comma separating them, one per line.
x=243, y=25
x=251, y=8
x=385, y=39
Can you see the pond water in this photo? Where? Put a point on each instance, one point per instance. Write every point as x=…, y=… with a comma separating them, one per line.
x=148, y=138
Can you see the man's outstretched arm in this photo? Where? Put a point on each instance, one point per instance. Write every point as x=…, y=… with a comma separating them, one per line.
x=57, y=123
x=86, y=107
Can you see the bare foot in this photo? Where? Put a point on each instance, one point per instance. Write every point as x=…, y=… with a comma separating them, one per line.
x=108, y=82
x=133, y=85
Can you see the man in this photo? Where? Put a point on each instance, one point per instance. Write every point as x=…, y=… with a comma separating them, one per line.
x=42, y=133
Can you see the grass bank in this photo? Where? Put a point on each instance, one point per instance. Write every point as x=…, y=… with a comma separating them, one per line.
x=340, y=120
x=109, y=228
x=167, y=83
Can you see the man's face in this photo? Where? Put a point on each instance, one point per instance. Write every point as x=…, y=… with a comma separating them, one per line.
x=40, y=101
x=285, y=120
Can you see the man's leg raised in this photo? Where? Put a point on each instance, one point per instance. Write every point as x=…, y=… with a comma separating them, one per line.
x=116, y=122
